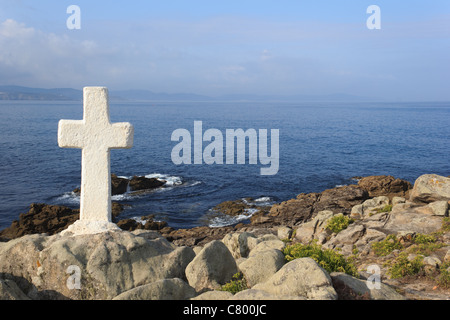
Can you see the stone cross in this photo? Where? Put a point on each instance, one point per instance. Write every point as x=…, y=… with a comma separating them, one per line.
x=96, y=136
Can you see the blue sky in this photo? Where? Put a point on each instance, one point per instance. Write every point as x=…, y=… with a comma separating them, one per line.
x=231, y=47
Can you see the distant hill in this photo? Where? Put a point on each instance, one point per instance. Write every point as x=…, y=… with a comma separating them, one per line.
x=25, y=93
x=68, y=94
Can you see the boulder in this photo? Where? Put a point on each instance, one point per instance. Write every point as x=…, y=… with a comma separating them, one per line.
x=262, y=265
x=253, y=294
x=237, y=243
x=106, y=264
x=118, y=185
x=313, y=229
x=385, y=186
x=267, y=245
x=431, y=187
x=166, y=289
x=142, y=183
x=439, y=208
x=214, y=295
x=407, y=217
x=212, y=267
x=302, y=278
x=351, y=288
x=284, y=233
x=345, y=239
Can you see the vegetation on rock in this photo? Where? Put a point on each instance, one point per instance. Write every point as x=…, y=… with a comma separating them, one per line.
x=338, y=223
x=236, y=284
x=328, y=259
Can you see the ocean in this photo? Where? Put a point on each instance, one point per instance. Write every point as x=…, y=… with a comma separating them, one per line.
x=321, y=145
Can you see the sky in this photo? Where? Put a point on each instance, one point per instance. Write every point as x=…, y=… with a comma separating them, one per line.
x=225, y=47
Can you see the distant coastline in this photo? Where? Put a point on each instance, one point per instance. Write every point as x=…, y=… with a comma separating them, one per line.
x=12, y=92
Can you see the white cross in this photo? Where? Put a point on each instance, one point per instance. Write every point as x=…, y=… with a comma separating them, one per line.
x=95, y=135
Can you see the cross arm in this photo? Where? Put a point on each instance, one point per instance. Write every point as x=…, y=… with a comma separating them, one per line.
x=70, y=133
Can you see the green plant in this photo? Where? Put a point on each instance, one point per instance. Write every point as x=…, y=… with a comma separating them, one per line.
x=386, y=208
x=338, y=223
x=386, y=246
x=425, y=244
x=424, y=238
x=403, y=267
x=328, y=259
x=446, y=224
x=236, y=284
x=444, y=275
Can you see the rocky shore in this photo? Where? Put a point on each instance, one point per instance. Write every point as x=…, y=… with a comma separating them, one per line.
x=288, y=250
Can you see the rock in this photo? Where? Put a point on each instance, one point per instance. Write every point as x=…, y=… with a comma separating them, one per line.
x=405, y=217
x=357, y=212
x=10, y=291
x=312, y=229
x=253, y=294
x=41, y=218
x=195, y=236
x=384, y=186
x=166, y=289
x=214, y=295
x=370, y=235
x=234, y=207
x=432, y=261
x=291, y=212
x=212, y=267
x=237, y=243
x=350, y=288
x=431, y=187
x=109, y=263
x=267, y=245
x=19, y=260
x=48, y=219
x=447, y=256
x=301, y=277
x=150, y=224
x=118, y=185
x=439, y=208
x=397, y=200
x=346, y=239
x=261, y=265
x=341, y=199
x=142, y=183
x=284, y=233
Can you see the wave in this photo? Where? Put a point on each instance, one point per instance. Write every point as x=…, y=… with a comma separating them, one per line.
x=223, y=220
x=72, y=198
x=260, y=202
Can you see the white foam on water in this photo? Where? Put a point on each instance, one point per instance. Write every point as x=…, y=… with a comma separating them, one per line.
x=223, y=220
x=139, y=220
x=69, y=198
x=262, y=201
x=170, y=180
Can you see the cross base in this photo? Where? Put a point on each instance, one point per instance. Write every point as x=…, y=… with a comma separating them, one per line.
x=81, y=227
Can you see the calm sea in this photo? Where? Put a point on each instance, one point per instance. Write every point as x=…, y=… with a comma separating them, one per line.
x=321, y=145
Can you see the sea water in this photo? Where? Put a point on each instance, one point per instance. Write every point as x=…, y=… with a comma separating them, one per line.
x=321, y=145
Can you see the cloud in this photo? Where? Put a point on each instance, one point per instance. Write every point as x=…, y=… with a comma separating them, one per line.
x=32, y=57
x=222, y=55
